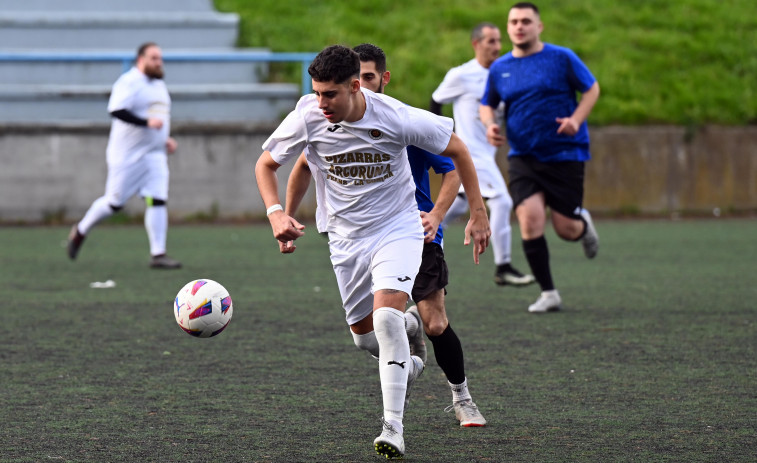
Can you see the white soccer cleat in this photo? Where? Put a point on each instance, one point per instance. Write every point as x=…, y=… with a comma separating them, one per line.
x=467, y=413
x=549, y=301
x=412, y=376
x=417, y=344
x=590, y=239
x=390, y=443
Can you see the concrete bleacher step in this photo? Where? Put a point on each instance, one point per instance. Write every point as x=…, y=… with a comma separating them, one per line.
x=87, y=104
x=106, y=30
x=73, y=67
x=112, y=6
x=60, y=58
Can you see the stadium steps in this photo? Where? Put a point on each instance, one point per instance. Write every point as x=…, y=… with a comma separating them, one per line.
x=48, y=91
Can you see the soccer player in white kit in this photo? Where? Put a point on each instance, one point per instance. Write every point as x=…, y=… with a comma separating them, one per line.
x=137, y=154
x=355, y=143
x=463, y=86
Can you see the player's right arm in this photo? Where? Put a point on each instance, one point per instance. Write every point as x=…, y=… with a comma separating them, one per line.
x=448, y=189
x=285, y=228
x=493, y=132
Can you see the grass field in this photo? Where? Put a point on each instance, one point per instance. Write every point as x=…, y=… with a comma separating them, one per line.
x=653, y=360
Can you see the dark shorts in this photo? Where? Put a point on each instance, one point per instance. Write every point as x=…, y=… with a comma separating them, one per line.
x=433, y=274
x=561, y=182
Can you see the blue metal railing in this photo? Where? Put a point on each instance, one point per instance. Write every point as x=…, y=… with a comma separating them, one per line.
x=127, y=59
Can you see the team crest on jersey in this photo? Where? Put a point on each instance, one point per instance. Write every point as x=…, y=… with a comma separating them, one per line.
x=375, y=134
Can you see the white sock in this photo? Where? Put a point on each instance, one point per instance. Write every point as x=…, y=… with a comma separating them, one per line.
x=411, y=325
x=460, y=391
x=100, y=209
x=156, y=224
x=367, y=342
x=394, y=361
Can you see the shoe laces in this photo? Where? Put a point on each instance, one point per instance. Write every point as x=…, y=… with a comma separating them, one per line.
x=466, y=408
x=388, y=428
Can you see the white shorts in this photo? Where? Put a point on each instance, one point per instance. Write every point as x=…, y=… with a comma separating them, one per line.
x=148, y=177
x=389, y=259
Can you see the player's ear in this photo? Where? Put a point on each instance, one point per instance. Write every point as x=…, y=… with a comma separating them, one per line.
x=386, y=77
x=354, y=85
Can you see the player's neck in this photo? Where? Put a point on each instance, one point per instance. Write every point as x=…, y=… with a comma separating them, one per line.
x=528, y=49
x=358, y=110
x=485, y=63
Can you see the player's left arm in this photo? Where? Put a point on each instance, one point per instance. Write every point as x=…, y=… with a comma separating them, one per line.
x=447, y=192
x=478, y=226
x=570, y=125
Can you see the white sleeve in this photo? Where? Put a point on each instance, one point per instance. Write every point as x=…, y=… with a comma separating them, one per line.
x=450, y=89
x=289, y=140
x=121, y=96
x=427, y=130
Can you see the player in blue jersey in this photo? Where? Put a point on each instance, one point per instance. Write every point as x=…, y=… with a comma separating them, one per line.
x=548, y=137
x=428, y=291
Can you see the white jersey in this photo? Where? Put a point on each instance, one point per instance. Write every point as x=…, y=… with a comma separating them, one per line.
x=463, y=86
x=145, y=98
x=362, y=174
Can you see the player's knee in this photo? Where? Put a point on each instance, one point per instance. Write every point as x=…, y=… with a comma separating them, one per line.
x=150, y=202
x=435, y=326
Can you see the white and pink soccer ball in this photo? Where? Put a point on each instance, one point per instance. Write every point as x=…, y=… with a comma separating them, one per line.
x=203, y=308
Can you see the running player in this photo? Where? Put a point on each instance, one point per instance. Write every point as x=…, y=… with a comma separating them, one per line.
x=463, y=87
x=548, y=138
x=136, y=154
x=355, y=142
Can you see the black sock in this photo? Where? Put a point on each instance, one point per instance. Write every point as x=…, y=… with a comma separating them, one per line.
x=537, y=255
x=449, y=355
x=502, y=268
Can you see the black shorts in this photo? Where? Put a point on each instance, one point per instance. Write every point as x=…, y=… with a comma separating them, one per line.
x=433, y=274
x=561, y=182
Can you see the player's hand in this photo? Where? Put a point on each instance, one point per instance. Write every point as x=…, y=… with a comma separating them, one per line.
x=155, y=123
x=285, y=228
x=286, y=247
x=568, y=126
x=494, y=135
x=430, y=226
x=479, y=232
x=171, y=145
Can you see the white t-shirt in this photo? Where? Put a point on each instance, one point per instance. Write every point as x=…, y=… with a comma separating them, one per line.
x=361, y=170
x=145, y=98
x=463, y=86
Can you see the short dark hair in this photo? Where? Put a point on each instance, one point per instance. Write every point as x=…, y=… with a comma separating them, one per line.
x=478, y=32
x=520, y=5
x=143, y=48
x=370, y=52
x=336, y=64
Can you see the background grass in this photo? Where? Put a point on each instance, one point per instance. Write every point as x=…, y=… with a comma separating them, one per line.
x=654, y=358
x=681, y=61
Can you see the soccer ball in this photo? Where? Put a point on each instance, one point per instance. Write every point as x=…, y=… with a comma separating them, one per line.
x=203, y=308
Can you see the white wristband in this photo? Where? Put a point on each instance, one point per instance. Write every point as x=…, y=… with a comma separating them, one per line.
x=274, y=208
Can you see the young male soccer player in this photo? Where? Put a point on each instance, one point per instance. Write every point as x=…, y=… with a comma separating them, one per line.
x=355, y=141
x=429, y=287
x=136, y=154
x=463, y=86
x=548, y=137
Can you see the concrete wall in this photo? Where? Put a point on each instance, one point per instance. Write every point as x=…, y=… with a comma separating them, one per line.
x=56, y=172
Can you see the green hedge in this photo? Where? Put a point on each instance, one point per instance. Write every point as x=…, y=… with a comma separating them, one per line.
x=679, y=62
